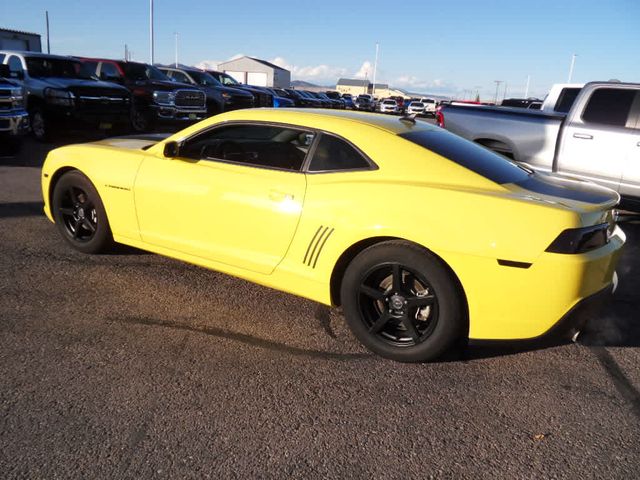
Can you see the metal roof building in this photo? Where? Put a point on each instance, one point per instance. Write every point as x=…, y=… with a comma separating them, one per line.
x=18, y=40
x=254, y=71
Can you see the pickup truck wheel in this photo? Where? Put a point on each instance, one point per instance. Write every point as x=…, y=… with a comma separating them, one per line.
x=40, y=126
x=79, y=214
x=139, y=121
x=400, y=301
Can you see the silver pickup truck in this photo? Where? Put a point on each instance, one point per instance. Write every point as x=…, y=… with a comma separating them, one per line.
x=14, y=120
x=598, y=139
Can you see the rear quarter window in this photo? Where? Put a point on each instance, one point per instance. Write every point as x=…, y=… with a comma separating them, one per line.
x=468, y=155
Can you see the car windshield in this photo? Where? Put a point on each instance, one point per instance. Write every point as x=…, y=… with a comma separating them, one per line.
x=389, y=102
x=428, y=100
x=140, y=71
x=57, y=67
x=203, y=78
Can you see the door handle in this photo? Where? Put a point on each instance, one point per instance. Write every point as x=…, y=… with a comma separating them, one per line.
x=278, y=196
x=583, y=136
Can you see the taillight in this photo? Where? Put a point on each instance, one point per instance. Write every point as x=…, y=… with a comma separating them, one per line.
x=580, y=240
x=440, y=119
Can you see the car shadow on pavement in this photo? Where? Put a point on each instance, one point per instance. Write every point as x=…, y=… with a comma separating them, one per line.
x=21, y=209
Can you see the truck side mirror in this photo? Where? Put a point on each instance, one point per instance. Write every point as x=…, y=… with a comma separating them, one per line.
x=171, y=149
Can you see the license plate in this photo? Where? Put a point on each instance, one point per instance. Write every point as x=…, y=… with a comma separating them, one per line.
x=105, y=126
x=192, y=116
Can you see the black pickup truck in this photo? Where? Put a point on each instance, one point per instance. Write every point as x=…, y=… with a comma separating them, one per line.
x=62, y=95
x=14, y=119
x=261, y=97
x=158, y=102
x=219, y=98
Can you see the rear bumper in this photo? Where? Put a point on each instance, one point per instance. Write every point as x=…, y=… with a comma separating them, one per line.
x=526, y=301
x=567, y=327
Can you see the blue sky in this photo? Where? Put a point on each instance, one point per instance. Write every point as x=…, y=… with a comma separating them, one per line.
x=448, y=47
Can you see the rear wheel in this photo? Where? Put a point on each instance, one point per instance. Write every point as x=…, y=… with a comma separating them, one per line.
x=401, y=302
x=80, y=215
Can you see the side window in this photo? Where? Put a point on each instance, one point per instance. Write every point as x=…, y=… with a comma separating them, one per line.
x=252, y=145
x=90, y=66
x=109, y=70
x=179, y=77
x=609, y=106
x=334, y=154
x=565, y=99
x=15, y=67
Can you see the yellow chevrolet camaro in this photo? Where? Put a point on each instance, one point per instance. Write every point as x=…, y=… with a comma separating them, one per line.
x=422, y=237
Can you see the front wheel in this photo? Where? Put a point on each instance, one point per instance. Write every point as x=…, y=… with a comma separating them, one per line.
x=40, y=125
x=79, y=214
x=400, y=301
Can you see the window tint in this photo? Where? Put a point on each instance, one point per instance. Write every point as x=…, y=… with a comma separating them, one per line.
x=469, y=155
x=609, y=106
x=179, y=77
x=15, y=65
x=90, y=66
x=565, y=99
x=253, y=145
x=109, y=70
x=333, y=154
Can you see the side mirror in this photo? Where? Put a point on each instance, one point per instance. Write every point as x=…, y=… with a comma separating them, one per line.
x=4, y=71
x=171, y=149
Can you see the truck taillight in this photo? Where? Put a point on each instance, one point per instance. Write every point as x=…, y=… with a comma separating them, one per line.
x=439, y=119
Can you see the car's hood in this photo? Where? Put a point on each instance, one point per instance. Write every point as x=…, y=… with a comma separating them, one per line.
x=134, y=142
x=75, y=83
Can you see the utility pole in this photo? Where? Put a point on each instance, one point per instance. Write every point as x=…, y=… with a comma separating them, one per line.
x=573, y=62
x=526, y=90
x=176, y=35
x=151, y=32
x=126, y=53
x=375, y=67
x=498, y=82
x=48, y=43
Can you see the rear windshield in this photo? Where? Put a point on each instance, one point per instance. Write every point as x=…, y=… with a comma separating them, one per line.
x=469, y=155
x=565, y=99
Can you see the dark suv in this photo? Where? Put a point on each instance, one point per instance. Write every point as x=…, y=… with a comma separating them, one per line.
x=62, y=94
x=219, y=98
x=157, y=101
x=261, y=97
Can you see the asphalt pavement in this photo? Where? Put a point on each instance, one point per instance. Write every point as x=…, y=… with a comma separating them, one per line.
x=131, y=365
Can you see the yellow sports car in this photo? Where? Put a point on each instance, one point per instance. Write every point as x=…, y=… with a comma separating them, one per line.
x=422, y=237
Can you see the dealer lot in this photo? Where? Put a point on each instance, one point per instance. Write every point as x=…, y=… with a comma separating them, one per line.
x=133, y=365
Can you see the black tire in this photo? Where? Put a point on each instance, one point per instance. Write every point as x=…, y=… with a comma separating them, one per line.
x=401, y=302
x=40, y=125
x=140, y=121
x=80, y=215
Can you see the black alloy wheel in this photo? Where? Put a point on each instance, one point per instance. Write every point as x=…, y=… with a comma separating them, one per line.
x=402, y=302
x=139, y=121
x=40, y=126
x=79, y=213
x=397, y=304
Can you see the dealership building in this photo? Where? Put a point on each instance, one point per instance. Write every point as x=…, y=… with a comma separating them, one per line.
x=17, y=40
x=254, y=71
x=356, y=87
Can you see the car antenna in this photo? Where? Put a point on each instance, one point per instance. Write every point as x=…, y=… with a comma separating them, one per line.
x=411, y=118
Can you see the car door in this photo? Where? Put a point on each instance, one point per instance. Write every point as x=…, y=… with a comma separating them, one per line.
x=233, y=194
x=595, y=144
x=630, y=183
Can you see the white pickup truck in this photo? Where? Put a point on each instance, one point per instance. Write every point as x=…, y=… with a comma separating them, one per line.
x=597, y=139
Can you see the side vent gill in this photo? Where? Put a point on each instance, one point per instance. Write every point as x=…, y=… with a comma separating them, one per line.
x=316, y=245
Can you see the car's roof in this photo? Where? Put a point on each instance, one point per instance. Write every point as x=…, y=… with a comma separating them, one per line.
x=37, y=54
x=306, y=116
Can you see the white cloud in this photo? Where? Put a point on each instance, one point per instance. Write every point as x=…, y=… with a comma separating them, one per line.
x=365, y=71
x=413, y=83
x=322, y=73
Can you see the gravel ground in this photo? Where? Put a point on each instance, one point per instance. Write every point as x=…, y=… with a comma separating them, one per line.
x=131, y=365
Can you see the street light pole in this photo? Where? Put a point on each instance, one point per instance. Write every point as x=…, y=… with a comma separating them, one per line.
x=573, y=62
x=498, y=82
x=48, y=44
x=375, y=67
x=176, y=35
x=151, y=31
x=526, y=90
